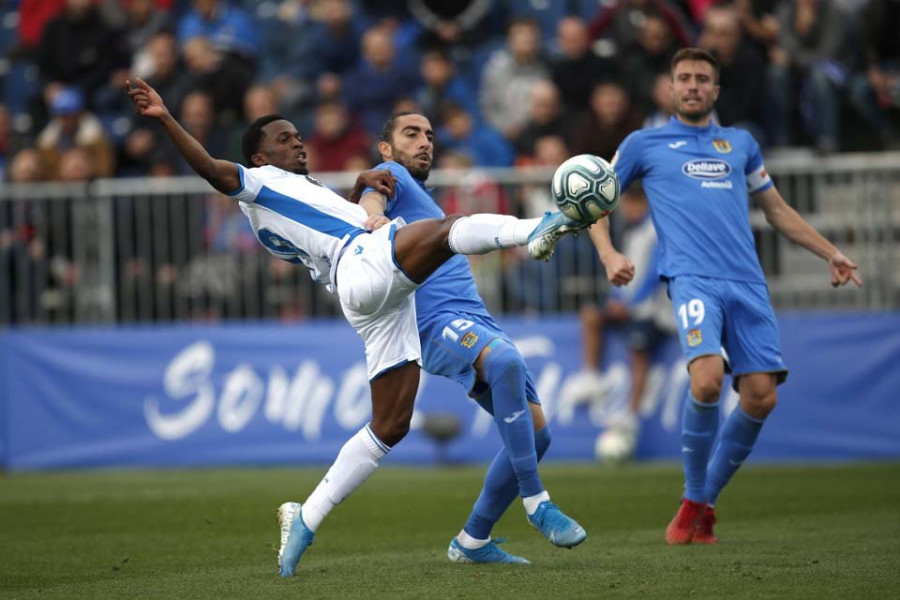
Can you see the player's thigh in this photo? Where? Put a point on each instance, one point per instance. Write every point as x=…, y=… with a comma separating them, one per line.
x=698, y=315
x=751, y=333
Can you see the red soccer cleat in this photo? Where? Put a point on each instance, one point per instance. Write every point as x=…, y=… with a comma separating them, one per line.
x=684, y=524
x=703, y=534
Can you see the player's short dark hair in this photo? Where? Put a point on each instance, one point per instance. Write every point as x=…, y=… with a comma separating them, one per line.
x=387, y=130
x=254, y=135
x=695, y=54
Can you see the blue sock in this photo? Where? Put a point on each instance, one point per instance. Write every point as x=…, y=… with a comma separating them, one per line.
x=500, y=488
x=503, y=369
x=739, y=433
x=698, y=431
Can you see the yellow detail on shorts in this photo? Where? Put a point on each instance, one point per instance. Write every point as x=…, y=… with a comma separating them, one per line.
x=694, y=337
x=469, y=339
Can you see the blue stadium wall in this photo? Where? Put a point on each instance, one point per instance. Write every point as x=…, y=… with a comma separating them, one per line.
x=292, y=394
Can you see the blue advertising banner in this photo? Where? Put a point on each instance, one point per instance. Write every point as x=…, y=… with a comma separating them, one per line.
x=276, y=393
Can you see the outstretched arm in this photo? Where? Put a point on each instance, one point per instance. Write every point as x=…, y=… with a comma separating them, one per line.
x=619, y=269
x=786, y=221
x=221, y=174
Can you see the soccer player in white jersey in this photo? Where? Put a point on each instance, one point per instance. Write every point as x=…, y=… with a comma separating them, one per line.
x=374, y=274
x=697, y=177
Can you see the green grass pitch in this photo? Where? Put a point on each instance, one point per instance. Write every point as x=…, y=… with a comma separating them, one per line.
x=786, y=532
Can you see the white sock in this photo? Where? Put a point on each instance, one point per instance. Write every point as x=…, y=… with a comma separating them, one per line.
x=470, y=543
x=482, y=233
x=532, y=502
x=356, y=461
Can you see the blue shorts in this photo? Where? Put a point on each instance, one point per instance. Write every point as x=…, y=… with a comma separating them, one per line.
x=451, y=342
x=735, y=315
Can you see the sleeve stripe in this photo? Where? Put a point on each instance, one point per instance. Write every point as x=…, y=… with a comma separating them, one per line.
x=758, y=180
x=241, y=175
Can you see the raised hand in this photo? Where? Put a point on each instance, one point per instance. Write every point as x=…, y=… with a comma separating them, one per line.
x=379, y=180
x=843, y=270
x=147, y=102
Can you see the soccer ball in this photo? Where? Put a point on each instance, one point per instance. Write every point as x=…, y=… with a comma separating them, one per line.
x=585, y=188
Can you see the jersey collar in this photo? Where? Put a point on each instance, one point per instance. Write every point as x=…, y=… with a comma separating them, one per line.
x=682, y=127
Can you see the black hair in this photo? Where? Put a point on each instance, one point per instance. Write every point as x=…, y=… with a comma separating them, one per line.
x=387, y=130
x=695, y=54
x=254, y=135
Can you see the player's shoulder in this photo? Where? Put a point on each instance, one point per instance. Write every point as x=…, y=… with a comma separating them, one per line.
x=396, y=169
x=735, y=135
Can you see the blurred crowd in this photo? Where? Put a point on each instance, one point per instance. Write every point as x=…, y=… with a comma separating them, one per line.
x=505, y=82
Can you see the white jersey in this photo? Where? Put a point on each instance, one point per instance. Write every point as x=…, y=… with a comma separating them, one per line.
x=298, y=219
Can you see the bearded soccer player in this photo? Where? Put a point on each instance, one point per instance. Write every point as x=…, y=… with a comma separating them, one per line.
x=697, y=176
x=461, y=341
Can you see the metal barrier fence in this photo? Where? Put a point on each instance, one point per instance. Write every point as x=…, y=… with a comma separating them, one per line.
x=157, y=250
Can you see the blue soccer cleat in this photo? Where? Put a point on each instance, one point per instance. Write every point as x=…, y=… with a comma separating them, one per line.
x=295, y=537
x=490, y=553
x=555, y=526
x=542, y=241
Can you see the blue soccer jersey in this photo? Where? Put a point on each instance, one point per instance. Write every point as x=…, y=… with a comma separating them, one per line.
x=697, y=180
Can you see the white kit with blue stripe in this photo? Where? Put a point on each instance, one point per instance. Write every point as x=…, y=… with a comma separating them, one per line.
x=303, y=222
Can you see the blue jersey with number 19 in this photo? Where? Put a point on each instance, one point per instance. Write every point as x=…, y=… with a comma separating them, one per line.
x=697, y=181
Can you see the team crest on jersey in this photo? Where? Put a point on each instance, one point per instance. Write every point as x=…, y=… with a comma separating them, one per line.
x=694, y=337
x=469, y=339
x=722, y=146
x=314, y=181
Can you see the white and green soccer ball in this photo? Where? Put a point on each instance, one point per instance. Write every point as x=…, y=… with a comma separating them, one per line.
x=585, y=188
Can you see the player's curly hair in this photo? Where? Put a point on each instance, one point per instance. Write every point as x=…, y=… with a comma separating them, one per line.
x=695, y=54
x=254, y=135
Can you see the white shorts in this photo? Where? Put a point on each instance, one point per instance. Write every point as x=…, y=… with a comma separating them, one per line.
x=378, y=300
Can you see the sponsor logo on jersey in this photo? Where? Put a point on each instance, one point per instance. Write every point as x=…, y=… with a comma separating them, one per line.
x=706, y=168
x=717, y=185
x=469, y=339
x=722, y=146
x=694, y=337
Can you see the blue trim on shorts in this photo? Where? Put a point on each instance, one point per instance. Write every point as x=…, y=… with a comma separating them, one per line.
x=394, y=255
x=390, y=368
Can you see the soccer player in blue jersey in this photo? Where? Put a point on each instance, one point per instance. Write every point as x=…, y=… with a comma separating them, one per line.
x=461, y=341
x=373, y=273
x=697, y=176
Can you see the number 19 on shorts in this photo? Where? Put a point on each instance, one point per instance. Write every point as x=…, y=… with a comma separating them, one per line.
x=691, y=313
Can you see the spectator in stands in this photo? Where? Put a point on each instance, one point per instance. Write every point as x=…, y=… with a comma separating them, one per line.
x=223, y=77
x=335, y=139
x=607, y=122
x=662, y=102
x=549, y=151
x=380, y=78
x=810, y=61
x=335, y=37
x=545, y=118
x=759, y=23
x=441, y=84
x=509, y=76
x=481, y=142
x=76, y=165
x=73, y=126
x=650, y=56
x=577, y=68
x=876, y=91
x=458, y=24
x=623, y=20
x=741, y=72
x=641, y=311
x=143, y=20
x=157, y=63
x=197, y=116
x=79, y=49
x=26, y=166
x=228, y=27
x=33, y=18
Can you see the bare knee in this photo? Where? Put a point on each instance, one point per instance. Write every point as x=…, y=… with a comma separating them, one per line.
x=393, y=399
x=707, y=373
x=758, y=395
x=706, y=390
x=591, y=317
x=391, y=429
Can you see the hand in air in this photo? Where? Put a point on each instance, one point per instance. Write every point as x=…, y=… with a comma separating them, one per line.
x=147, y=102
x=843, y=270
x=619, y=269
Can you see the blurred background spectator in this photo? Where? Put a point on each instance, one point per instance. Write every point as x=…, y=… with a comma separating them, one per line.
x=72, y=126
